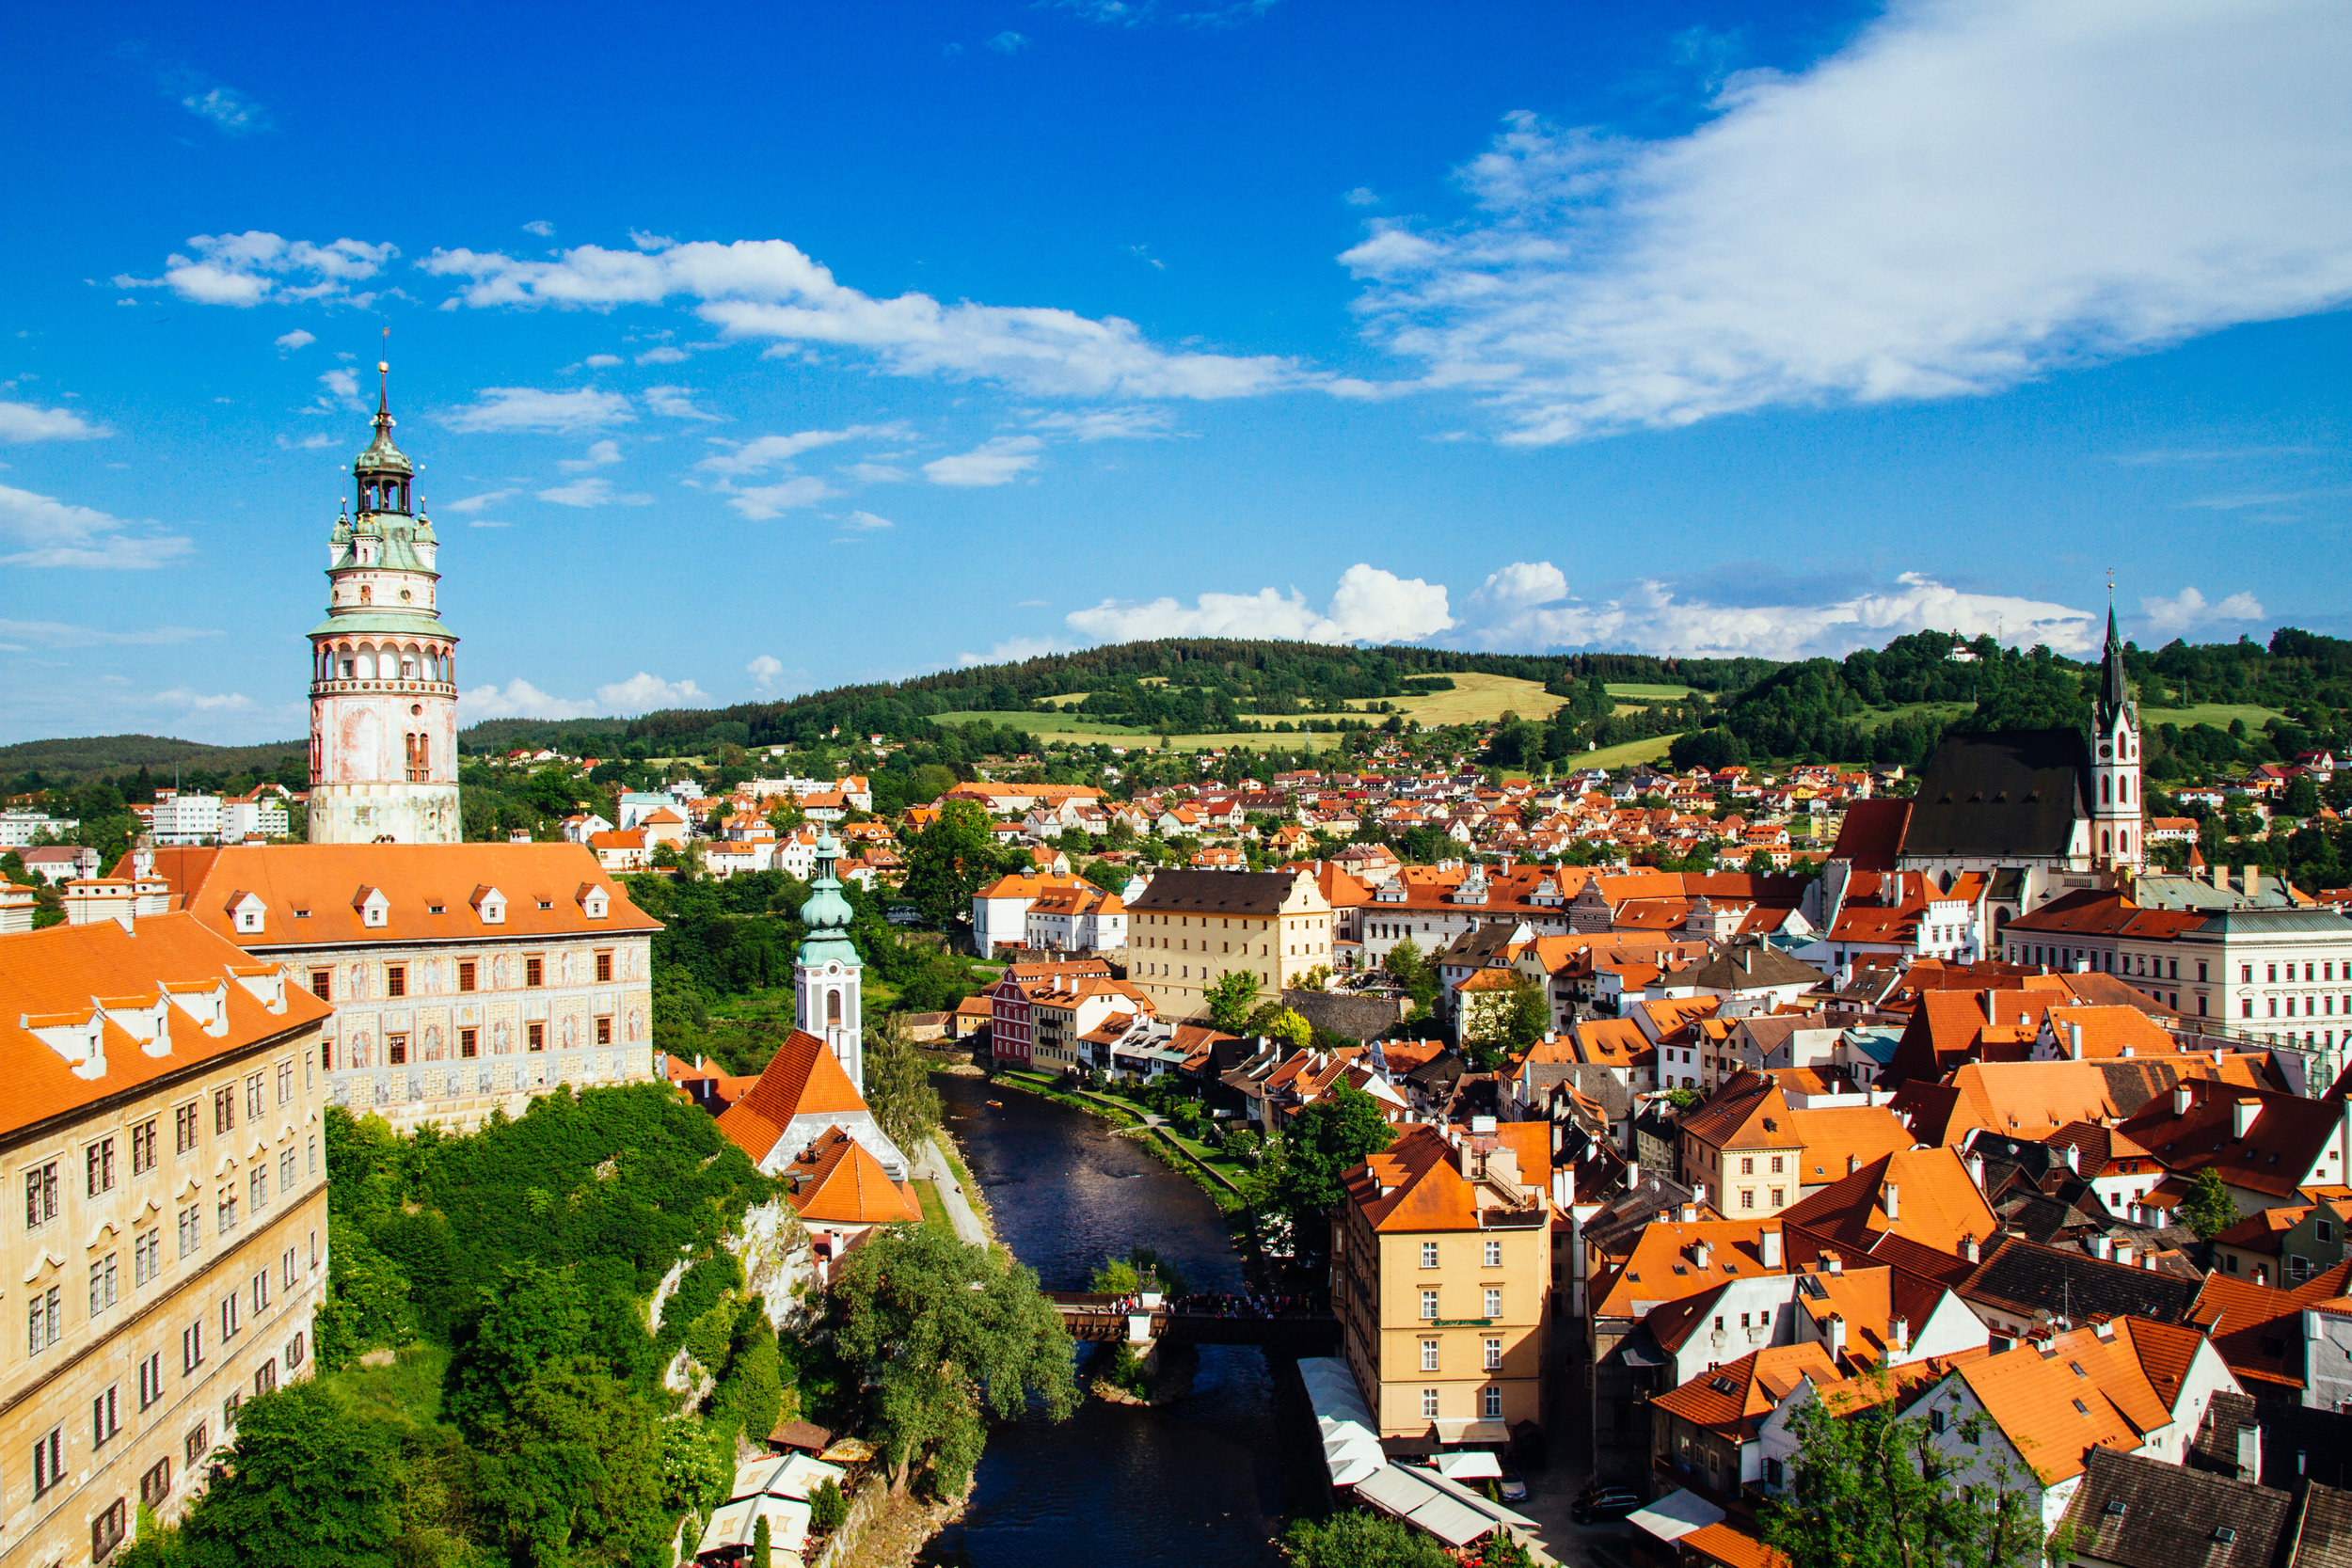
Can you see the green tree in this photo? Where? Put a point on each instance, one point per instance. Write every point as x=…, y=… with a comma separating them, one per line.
x=1359, y=1539
x=2302, y=797
x=572, y=1468
x=948, y=861
x=539, y=1318
x=947, y=1332
x=898, y=1084
x=1327, y=1137
x=367, y=1298
x=1231, y=997
x=1529, y=1018
x=759, y=1541
x=1869, y=1489
x=1411, y=972
x=827, y=1510
x=314, y=1484
x=1291, y=1029
x=2209, y=1210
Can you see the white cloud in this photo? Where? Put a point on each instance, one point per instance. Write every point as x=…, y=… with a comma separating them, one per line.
x=51, y=532
x=995, y=462
x=506, y=408
x=249, y=268
x=763, y=502
x=1523, y=582
x=475, y=503
x=1370, y=605
x=24, y=421
x=226, y=701
x=598, y=455
x=675, y=402
x=770, y=289
x=234, y=113
x=592, y=492
x=865, y=522
x=1016, y=650
x=2188, y=611
x=540, y=227
x=1966, y=195
x=764, y=670
x=642, y=694
x=315, y=441
x=874, y=473
x=601, y=361
x=1009, y=42
x=1363, y=196
x=57, y=634
x=519, y=699
x=342, y=388
x=1651, y=620
x=644, y=240
x=750, y=457
x=289, y=341
x=1109, y=424
x=665, y=355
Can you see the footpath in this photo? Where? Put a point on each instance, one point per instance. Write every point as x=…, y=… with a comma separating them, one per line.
x=928, y=1165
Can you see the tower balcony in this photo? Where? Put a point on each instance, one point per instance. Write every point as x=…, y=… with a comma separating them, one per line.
x=402, y=687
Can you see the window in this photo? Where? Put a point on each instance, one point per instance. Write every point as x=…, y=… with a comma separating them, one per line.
x=105, y=1418
x=321, y=986
x=286, y=1269
x=199, y=1443
x=464, y=975
x=41, y=1194
x=534, y=969
x=1494, y=1302
x=146, y=1257
x=1747, y=1198
x=1777, y=1159
x=253, y=1097
x=48, y=1459
x=150, y=1379
x=285, y=1082
x=312, y=1157
x=297, y=1350
x=260, y=1292
x=231, y=1316
x=98, y=1161
x=1777, y=1199
x=229, y=1408
x=1429, y=1403
x=224, y=1110
x=604, y=968
x=538, y=1035
x=1935, y=1420
x=1429, y=1305
x=44, y=1318
x=1493, y=1348
x=184, y=1129
x=1428, y=1254
x=1494, y=1252
x=466, y=1049
x=102, y=1285
x=396, y=1050
x=604, y=1031
x=265, y=1378
x=1490, y=1403
x=395, y=979
x=143, y=1147
x=286, y=1171
x=191, y=1229
x=155, y=1485
x=1429, y=1355
x=1747, y=1164
x=225, y=1216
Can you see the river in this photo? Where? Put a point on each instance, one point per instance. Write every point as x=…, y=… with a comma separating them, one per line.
x=1198, y=1480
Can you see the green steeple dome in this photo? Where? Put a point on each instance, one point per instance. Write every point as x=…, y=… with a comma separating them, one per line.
x=827, y=913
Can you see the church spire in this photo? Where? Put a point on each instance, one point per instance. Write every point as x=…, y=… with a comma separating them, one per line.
x=2114, y=684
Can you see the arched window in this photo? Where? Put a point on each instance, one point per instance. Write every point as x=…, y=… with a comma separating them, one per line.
x=367, y=664
x=2106, y=790
x=2106, y=841
x=2123, y=791
x=2123, y=841
x=367, y=594
x=833, y=1006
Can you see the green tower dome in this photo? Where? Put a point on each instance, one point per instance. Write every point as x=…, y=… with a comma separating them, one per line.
x=827, y=913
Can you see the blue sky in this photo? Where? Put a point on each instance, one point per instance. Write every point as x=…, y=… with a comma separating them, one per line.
x=750, y=350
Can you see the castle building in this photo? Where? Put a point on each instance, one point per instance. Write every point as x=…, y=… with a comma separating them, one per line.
x=827, y=973
x=383, y=667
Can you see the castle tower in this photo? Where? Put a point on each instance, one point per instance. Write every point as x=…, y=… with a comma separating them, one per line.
x=827, y=973
x=2116, y=843
x=383, y=676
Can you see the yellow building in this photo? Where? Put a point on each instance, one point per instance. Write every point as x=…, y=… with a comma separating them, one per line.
x=1441, y=1279
x=163, y=1122
x=1188, y=928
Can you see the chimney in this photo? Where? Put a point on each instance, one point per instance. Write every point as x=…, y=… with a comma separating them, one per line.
x=2101, y=1249
x=1969, y=1250
x=2182, y=1095
x=2241, y=1116
x=1632, y=1174
x=1853, y=1164
x=1887, y=1201
x=1690, y=1213
x=1698, y=1194
x=1770, y=1243
x=1836, y=1263
x=2124, y=1253
x=2252, y=879
x=1837, y=1336
x=2074, y=1041
x=1701, y=1251
x=1976, y=1171
x=1900, y=1332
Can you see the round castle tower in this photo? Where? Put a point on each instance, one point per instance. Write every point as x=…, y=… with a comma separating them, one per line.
x=383, y=673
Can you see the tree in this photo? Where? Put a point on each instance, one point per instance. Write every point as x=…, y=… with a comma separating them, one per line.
x=538, y=1318
x=759, y=1541
x=2302, y=797
x=948, y=861
x=1289, y=1029
x=827, y=1510
x=1230, y=996
x=946, y=1332
x=898, y=1086
x=572, y=1466
x=1870, y=1489
x=314, y=1484
x=2209, y=1210
x=1359, y=1539
x=1411, y=972
x=1327, y=1137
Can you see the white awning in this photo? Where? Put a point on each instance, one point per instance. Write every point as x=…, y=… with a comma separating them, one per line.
x=1477, y=1464
x=1447, y=1510
x=1676, y=1515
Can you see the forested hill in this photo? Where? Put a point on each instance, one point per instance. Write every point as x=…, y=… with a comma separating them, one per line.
x=116, y=755
x=1184, y=685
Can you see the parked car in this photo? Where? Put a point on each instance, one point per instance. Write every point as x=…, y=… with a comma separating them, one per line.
x=1612, y=1502
x=1514, y=1488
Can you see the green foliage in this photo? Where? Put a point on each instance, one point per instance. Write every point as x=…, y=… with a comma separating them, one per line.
x=898, y=1084
x=367, y=1299
x=312, y=1488
x=1412, y=973
x=1361, y=1539
x=1231, y=997
x=948, y=1331
x=2208, y=1209
x=1326, y=1137
x=1289, y=1029
x=571, y=1466
x=1127, y=1371
x=1142, y=1269
x=759, y=1543
x=827, y=1510
x=949, y=860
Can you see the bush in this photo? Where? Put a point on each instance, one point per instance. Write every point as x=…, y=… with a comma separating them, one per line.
x=827, y=1510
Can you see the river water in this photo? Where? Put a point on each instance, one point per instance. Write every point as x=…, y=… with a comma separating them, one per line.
x=1194, y=1482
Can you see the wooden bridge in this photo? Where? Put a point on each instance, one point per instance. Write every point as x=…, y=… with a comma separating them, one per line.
x=1100, y=1319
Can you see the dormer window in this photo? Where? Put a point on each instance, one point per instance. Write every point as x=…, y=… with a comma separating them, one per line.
x=594, y=902
x=490, y=904
x=375, y=910
x=248, y=914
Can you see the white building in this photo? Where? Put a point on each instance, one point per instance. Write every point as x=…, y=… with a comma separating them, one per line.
x=18, y=828
x=261, y=813
x=1081, y=919
x=186, y=819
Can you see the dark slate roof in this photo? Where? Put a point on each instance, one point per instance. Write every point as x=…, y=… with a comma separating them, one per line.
x=1613, y=1226
x=1357, y=1018
x=2026, y=1276
x=2004, y=796
x=1749, y=967
x=2141, y=1512
x=1218, y=893
x=2323, y=1535
x=1480, y=945
x=2216, y=1446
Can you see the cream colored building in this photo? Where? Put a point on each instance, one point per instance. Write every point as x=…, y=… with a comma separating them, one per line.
x=1442, y=1280
x=161, y=1124
x=1187, y=928
x=465, y=977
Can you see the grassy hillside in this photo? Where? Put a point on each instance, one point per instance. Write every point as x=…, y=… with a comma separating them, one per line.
x=106, y=755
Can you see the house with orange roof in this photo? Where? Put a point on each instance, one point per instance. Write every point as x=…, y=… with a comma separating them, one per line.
x=1707, y=1433
x=1000, y=911
x=1442, y=1278
x=1080, y=918
x=802, y=1093
x=841, y=1193
x=1742, y=1144
x=1924, y=1196
x=156, y=1074
x=2265, y=1145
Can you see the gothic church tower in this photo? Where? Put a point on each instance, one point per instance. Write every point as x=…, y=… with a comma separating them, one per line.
x=827, y=976
x=383, y=676
x=2116, y=828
